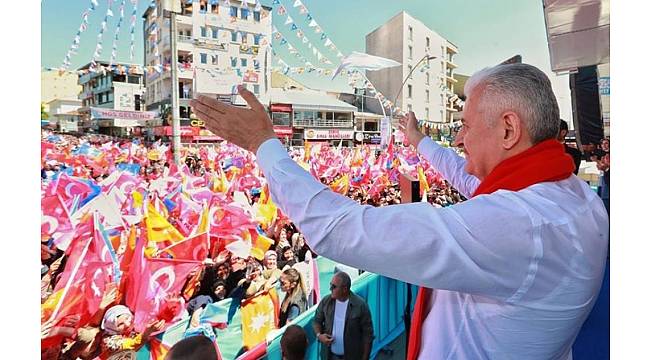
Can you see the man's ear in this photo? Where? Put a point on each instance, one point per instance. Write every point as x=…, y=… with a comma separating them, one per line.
x=513, y=128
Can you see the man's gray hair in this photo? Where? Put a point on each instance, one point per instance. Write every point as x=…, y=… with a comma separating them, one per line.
x=521, y=88
x=346, y=282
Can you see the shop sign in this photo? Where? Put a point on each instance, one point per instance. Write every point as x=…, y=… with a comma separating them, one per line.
x=283, y=130
x=324, y=134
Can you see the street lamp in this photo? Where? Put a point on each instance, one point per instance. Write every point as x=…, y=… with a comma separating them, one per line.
x=401, y=88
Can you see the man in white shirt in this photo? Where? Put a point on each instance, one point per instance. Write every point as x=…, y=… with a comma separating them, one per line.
x=515, y=270
x=342, y=323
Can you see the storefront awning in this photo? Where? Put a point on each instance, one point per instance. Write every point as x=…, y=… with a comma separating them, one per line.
x=309, y=100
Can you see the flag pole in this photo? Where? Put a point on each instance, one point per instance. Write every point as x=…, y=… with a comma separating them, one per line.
x=69, y=283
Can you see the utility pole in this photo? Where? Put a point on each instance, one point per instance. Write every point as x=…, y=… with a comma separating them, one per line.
x=176, y=117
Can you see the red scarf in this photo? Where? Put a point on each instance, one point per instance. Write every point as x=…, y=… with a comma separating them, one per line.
x=543, y=162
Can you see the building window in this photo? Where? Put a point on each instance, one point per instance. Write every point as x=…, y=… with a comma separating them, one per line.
x=204, y=58
x=215, y=60
x=204, y=7
x=233, y=36
x=256, y=16
x=427, y=96
x=410, y=33
x=133, y=80
x=215, y=7
x=256, y=39
x=410, y=72
x=137, y=102
x=426, y=113
x=244, y=14
x=280, y=118
x=204, y=31
x=427, y=79
x=410, y=52
x=109, y=96
x=244, y=39
x=410, y=91
x=244, y=62
x=233, y=11
x=233, y=62
x=215, y=32
x=256, y=89
x=428, y=42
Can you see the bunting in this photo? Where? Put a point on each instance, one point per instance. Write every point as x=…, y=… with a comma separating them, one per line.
x=134, y=4
x=100, y=38
x=117, y=33
x=77, y=39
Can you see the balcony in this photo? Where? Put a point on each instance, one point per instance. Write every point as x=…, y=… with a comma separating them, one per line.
x=450, y=79
x=451, y=64
x=322, y=123
x=185, y=39
x=451, y=48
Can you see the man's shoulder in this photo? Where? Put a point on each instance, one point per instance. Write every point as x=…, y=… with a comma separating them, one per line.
x=357, y=300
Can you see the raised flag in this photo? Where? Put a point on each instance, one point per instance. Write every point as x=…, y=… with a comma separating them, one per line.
x=258, y=318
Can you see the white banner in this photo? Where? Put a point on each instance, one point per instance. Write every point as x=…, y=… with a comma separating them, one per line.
x=99, y=113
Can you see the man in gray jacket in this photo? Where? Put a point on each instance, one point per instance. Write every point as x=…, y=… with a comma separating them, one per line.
x=342, y=323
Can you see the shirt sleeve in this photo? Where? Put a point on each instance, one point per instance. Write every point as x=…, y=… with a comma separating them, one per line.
x=455, y=248
x=448, y=163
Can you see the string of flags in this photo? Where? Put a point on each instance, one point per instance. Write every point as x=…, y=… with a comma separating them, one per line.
x=77, y=39
x=282, y=11
x=278, y=36
x=134, y=3
x=117, y=33
x=152, y=36
x=311, y=23
x=100, y=37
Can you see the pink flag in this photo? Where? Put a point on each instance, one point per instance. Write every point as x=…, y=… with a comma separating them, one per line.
x=54, y=216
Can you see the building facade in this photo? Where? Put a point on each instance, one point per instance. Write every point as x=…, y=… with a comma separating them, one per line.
x=301, y=115
x=121, y=91
x=64, y=114
x=430, y=87
x=55, y=85
x=218, y=47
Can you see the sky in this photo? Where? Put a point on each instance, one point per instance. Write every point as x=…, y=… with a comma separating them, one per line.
x=485, y=32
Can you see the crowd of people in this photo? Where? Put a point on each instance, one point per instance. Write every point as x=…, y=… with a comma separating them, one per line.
x=91, y=162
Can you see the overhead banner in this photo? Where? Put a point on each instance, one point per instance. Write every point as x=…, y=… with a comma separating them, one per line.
x=99, y=113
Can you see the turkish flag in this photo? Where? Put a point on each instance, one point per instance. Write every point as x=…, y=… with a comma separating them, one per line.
x=162, y=280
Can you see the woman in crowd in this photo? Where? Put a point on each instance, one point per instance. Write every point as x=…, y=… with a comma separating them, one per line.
x=295, y=299
x=119, y=334
x=271, y=272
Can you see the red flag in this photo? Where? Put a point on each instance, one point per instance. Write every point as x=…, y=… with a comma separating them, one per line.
x=162, y=280
x=192, y=248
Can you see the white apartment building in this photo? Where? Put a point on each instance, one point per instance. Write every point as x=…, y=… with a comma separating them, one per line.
x=407, y=40
x=218, y=47
x=63, y=112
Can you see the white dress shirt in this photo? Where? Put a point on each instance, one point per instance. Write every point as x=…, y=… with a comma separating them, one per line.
x=515, y=273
